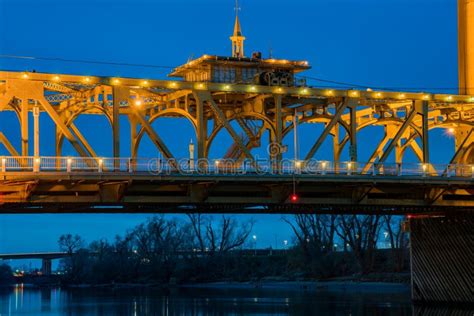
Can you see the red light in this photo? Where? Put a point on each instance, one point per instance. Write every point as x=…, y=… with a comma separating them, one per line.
x=294, y=198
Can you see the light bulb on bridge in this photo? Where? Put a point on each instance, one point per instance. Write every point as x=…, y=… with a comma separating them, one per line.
x=294, y=197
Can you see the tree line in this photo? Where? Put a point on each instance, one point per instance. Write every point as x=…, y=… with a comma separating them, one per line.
x=203, y=249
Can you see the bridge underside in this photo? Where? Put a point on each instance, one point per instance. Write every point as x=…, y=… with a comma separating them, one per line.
x=122, y=193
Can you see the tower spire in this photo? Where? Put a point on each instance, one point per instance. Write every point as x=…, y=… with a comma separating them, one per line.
x=237, y=38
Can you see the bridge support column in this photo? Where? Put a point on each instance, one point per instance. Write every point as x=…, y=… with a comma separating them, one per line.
x=46, y=266
x=442, y=258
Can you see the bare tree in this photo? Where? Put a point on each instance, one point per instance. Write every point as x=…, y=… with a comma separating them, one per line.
x=70, y=244
x=197, y=223
x=226, y=236
x=75, y=263
x=398, y=239
x=159, y=239
x=361, y=233
x=314, y=232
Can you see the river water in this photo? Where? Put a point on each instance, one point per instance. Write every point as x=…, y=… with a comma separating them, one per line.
x=22, y=300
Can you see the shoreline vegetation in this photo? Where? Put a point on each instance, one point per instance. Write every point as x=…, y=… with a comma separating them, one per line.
x=329, y=251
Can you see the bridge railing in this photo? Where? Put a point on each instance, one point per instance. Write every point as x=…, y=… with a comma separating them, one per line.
x=159, y=166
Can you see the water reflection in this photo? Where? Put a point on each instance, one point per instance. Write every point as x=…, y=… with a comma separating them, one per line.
x=56, y=301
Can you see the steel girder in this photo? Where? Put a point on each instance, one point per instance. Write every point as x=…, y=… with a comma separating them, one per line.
x=405, y=119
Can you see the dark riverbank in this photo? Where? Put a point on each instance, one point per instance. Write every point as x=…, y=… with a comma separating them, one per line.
x=363, y=282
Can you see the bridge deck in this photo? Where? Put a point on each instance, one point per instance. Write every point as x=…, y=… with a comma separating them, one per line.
x=124, y=192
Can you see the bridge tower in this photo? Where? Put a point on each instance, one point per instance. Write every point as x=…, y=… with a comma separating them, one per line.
x=442, y=246
x=466, y=46
x=466, y=73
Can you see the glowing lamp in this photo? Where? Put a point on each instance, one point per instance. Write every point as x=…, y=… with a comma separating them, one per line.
x=354, y=93
x=294, y=197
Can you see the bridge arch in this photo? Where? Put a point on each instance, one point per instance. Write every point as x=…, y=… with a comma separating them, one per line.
x=74, y=116
x=179, y=112
x=382, y=122
x=443, y=125
x=267, y=123
x=324, y=118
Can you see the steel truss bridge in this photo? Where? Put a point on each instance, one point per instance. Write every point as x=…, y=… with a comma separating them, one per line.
x=238, y=182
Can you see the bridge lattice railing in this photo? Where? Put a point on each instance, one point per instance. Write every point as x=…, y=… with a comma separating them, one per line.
x=160, y=166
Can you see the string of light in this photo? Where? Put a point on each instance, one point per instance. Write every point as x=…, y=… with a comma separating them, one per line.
x=335, y=83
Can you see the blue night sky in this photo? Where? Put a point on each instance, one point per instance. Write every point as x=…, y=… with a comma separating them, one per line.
x=409, y=44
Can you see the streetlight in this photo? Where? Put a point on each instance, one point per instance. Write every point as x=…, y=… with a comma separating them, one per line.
x=254, y=237
x=68, y=165
x=191, y=155
x=323, y=167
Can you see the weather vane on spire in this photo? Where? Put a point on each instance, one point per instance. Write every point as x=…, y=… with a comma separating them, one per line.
x=237, y=38
x=237, y=8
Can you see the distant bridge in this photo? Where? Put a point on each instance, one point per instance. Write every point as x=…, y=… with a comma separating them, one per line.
x=34, y=255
